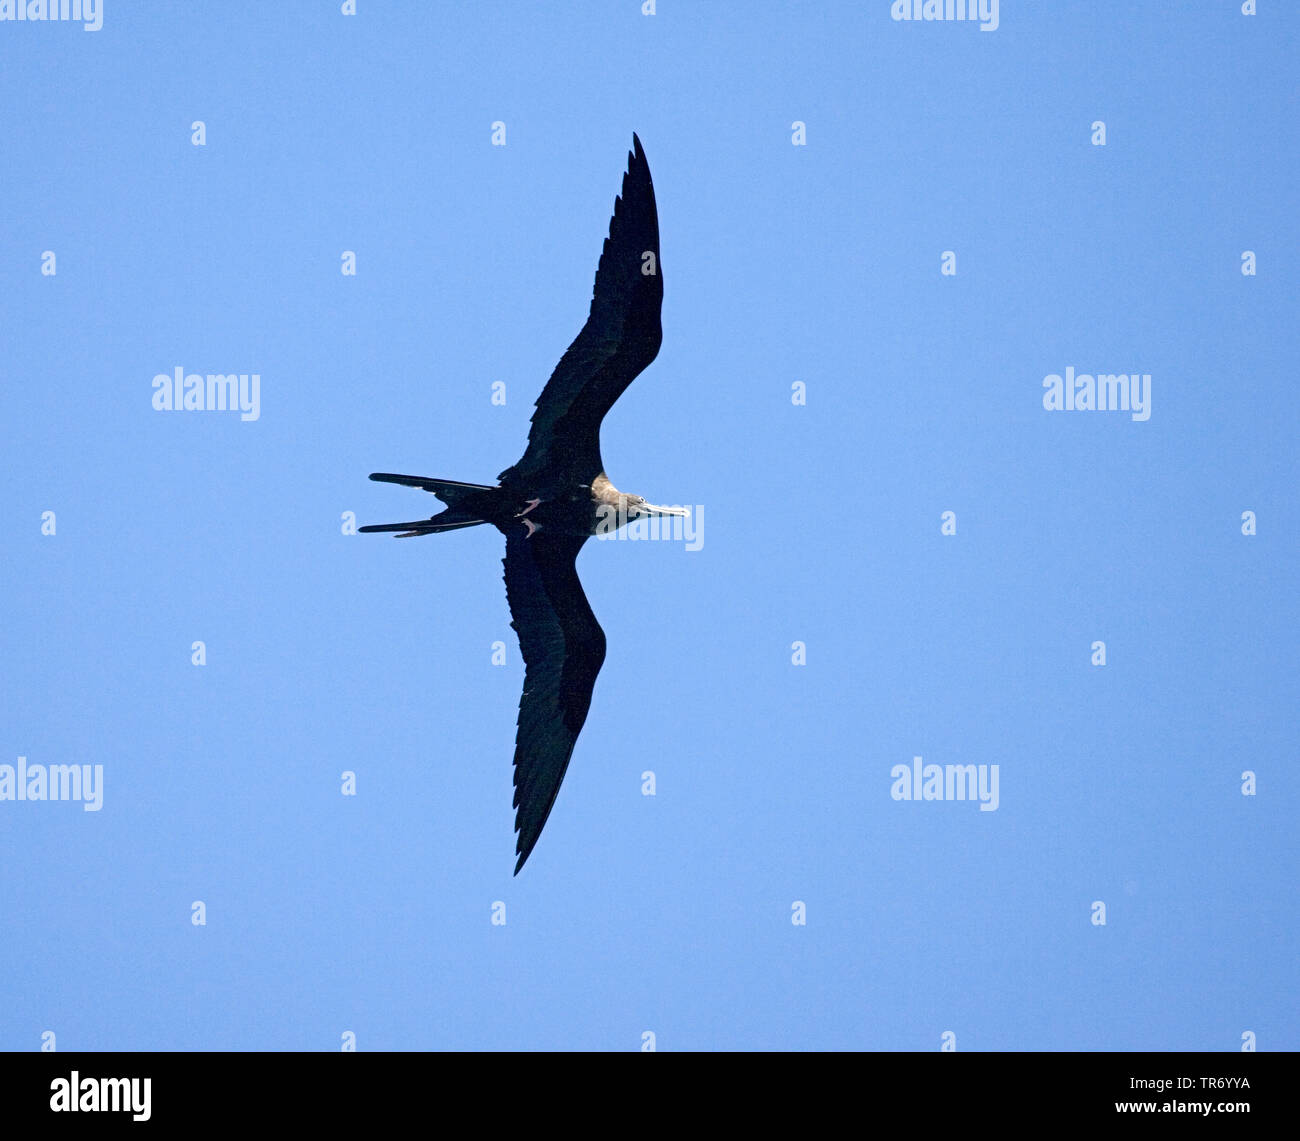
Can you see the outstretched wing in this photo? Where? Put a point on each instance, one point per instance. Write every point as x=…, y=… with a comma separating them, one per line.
x=621, y=337
x=563, y=648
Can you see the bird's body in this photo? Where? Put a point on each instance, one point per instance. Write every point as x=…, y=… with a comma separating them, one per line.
x=549, y=503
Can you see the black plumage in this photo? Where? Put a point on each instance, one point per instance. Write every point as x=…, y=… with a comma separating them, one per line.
x=556, y=496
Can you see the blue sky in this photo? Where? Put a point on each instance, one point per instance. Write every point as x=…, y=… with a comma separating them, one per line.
x=817, y=264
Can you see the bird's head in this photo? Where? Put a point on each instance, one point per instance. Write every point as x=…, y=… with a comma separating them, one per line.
x=638, y=508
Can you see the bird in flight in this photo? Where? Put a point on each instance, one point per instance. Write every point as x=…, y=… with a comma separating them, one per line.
x=558, y=495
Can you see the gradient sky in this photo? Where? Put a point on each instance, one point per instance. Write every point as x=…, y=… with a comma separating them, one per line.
x=328, y=652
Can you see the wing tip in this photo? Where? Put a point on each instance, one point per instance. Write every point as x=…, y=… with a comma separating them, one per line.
x=523, y=852
x=636, y=156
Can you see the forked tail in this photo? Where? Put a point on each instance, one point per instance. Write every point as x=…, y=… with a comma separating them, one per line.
x=468, y=505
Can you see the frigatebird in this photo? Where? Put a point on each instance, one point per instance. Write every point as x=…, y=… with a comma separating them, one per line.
x=558, y=495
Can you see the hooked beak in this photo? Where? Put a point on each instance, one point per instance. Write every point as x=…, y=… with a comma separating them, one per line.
x=651, y=509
